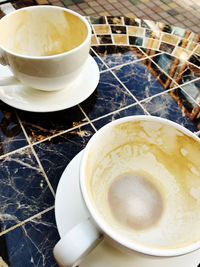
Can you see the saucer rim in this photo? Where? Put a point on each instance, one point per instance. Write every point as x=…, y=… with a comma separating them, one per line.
x=44, y=107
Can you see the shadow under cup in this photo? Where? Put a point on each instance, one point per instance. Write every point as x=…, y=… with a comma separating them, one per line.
x=141, y=183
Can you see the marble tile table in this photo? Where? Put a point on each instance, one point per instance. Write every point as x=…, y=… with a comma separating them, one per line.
x=145, y=67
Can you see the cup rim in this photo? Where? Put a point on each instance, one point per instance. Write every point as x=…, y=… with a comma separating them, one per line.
x=87, y=39
x=99, y=222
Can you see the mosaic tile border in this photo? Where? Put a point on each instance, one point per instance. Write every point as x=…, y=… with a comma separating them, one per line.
x=147, y=34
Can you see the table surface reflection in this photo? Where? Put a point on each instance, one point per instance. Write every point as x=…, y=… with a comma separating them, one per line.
x=145, y=68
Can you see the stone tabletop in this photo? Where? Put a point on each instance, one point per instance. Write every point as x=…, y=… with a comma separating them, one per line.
x=145, y=67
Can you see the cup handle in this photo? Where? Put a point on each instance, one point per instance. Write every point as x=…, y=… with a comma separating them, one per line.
x=77, y=243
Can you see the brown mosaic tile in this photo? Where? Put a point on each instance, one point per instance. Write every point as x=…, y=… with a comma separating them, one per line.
x=183, y=43
x=195, y=59
x=151, y=43
x=166, y=47
x=152, y=34
x=97, y=20
x=94, y=40
x=102, y=29
x=105, y=39
x=135, y=31
x=115, y=20
x=131, y=21
x=169, y=38
x=134, y=40
x=118, y=29
x=120, y=39
x=182, y=53
x=191, y=46
x=197, y=50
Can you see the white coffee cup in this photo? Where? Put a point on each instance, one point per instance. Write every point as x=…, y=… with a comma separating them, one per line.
x=45, y=47
x=140, y=181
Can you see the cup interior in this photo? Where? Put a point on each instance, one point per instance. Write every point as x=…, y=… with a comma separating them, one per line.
x=42, y=31
x=140, y=178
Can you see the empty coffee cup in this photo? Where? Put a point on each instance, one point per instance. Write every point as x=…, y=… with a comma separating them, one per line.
x=140, y=181
x=45, y=47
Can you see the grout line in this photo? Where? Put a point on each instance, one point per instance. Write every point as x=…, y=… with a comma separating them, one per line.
x=137, y=101
x=27, y=220
x=38, y=142
x=88, y=118
x=60, y=133
x=133, y=62
x=14, y=151
x=116, y=111
x=100, y=58
x=110, y=69
x=36, y=157
x=94, y=32
x=159, y=94
x=124, y=64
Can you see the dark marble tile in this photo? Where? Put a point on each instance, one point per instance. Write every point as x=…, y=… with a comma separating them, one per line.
x=133, y=40
x=115, y=55
x=31, y=244
x=130, y=111
x=118, y=29
x=164, y=106
x=42, y=125
x=115, y=20
x=56, y=153
x=139, y=80
x=105, y=39
x=11, y=134
x=99, y=62
x=109, y=96
x=23, y=189
x=98, y=20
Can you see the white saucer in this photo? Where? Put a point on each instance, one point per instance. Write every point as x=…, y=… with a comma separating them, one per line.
x=70, y=210
x=13, y=93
